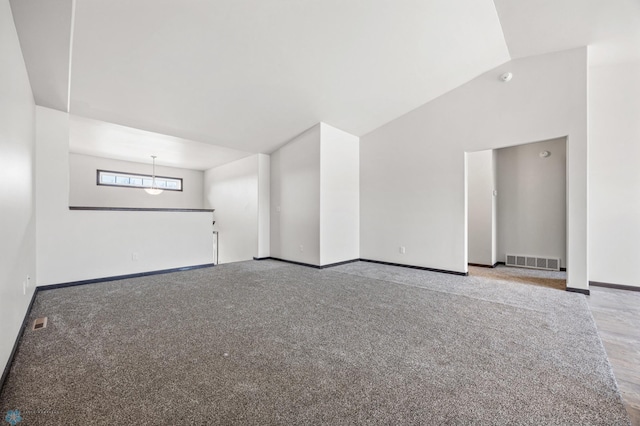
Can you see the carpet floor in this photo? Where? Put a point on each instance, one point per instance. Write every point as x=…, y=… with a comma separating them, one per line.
x=266, y=342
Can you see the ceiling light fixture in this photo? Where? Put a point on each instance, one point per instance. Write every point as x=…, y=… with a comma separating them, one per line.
x=506, y=77
x=544, y=154
x=154, y=189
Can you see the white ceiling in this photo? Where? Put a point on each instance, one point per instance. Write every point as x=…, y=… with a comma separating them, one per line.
x=108, y=140
x=251, y=74
x=44, y=29
x=611, y=28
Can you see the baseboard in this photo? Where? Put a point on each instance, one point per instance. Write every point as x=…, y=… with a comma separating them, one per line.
x=578, y=290
x=309, y=265
x=344, y=262
x=444, y=271
x=615, y=286
x=7, y=368
x=293, y=262
x=123, y=277
x=481, y=265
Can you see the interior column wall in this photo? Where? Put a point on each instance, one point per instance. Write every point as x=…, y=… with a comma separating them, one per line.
x=339, y=196
x=315, y=197
x=295, y=199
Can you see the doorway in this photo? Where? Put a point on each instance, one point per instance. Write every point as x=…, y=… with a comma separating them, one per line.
x=517, y=205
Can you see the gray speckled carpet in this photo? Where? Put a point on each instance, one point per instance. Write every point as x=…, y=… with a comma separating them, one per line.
x=266, y=342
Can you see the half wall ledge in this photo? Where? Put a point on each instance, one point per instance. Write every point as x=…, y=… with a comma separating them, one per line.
x=138, y=209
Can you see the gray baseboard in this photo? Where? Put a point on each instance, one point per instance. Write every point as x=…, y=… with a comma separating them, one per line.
x=615, y=286
x=423, y=268
x=123, y=277
x=482, y=265
x=309, y=265
x=578, y=290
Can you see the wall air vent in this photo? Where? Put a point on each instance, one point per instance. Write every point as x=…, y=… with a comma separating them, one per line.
x=533, y=262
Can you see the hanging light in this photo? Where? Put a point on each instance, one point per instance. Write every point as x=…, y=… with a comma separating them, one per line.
x=154, y=190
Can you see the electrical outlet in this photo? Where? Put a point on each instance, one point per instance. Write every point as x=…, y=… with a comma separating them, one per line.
x=402, y=250
x=301, y=247
x=134, y=256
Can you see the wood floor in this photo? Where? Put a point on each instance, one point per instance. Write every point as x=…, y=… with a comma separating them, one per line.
x=617, y=316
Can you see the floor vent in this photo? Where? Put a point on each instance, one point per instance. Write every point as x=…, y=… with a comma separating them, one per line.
x=40, y=323
x=547, y=263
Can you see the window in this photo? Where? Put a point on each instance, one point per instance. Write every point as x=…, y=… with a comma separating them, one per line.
x=134, y=180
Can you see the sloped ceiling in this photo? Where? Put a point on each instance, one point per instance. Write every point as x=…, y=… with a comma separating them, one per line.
x=44, y=30
x=251, y=74
x=611, y=28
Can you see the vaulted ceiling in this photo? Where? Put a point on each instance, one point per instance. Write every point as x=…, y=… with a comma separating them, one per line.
x=251, y=74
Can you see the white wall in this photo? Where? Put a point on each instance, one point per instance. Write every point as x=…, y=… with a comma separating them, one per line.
x=79, y=245
x=412, y=169
x=532, y=200
x=339, y=195
x=83, y=190
x=295, y=199
x=614, y=178
x=494, y=216
x=264, y=205
x=315, y=197
x=17, y=204
x=232, y=190
x=481, y=213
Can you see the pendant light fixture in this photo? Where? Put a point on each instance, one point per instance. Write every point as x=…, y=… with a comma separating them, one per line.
x=154, y=190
